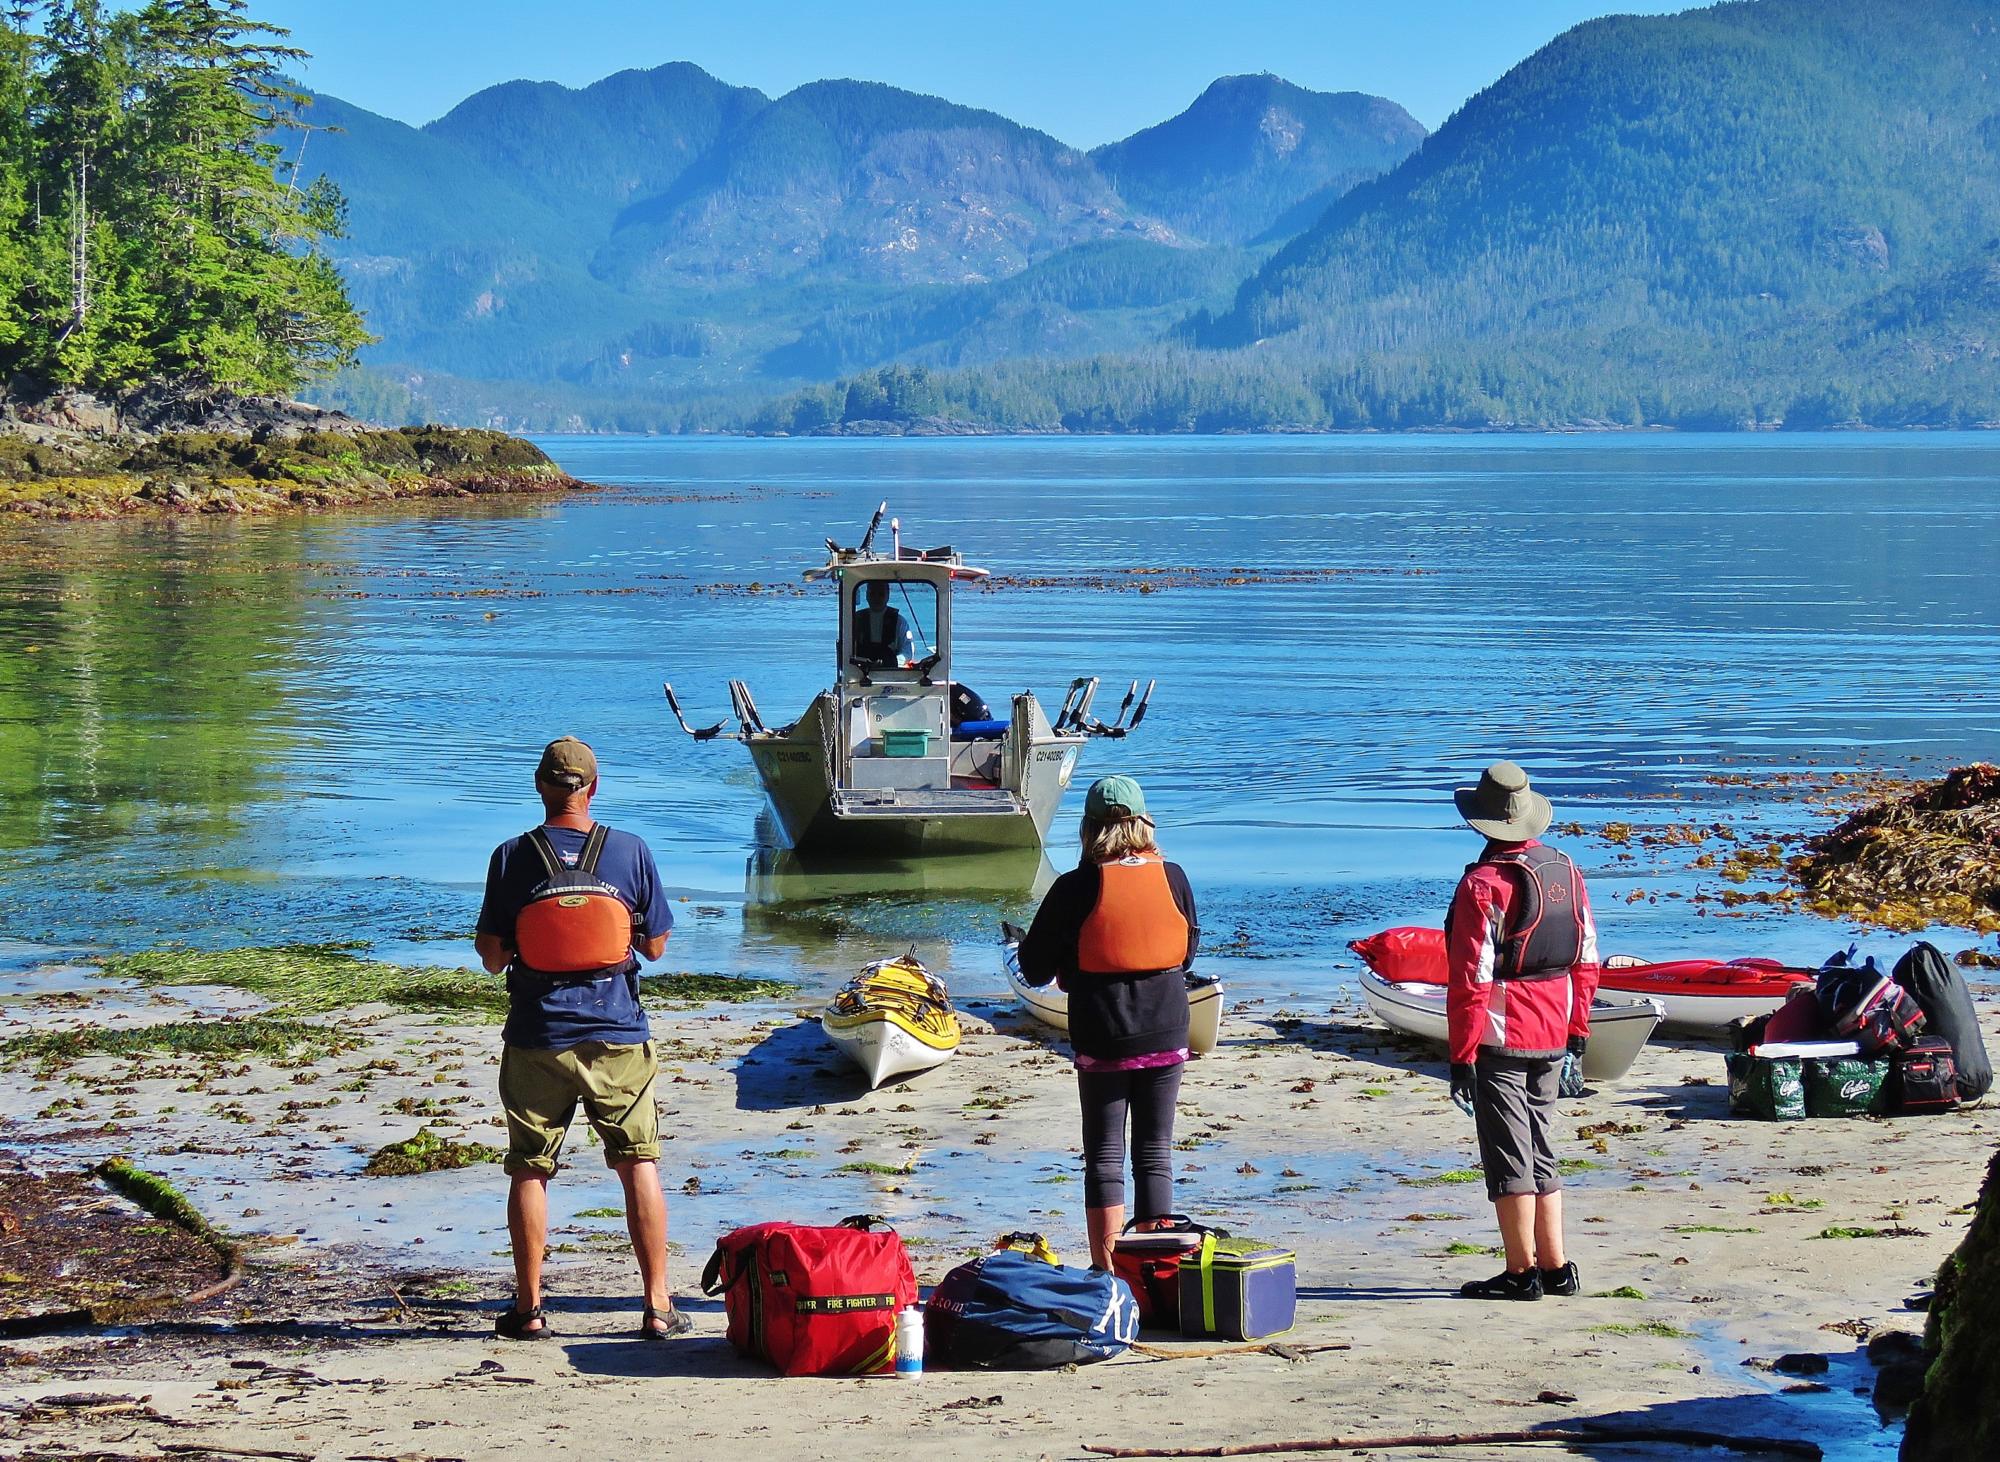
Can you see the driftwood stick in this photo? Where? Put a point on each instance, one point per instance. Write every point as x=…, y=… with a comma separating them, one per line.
x=205, y=1449
x=1685, y=1436
x=1282, y=1349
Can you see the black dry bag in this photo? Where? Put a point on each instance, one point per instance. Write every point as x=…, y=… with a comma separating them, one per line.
x=1937, y=986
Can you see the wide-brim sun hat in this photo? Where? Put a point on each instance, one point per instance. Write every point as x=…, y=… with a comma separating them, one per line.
x=1503, y=806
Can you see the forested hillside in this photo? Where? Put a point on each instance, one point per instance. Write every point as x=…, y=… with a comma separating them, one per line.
x=149, y=223
x=1781, y=212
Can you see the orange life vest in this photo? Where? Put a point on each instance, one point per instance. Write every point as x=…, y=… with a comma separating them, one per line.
x=573, y=922
x=1136, y=928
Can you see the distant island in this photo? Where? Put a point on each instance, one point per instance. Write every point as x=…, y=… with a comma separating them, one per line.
x=1761, y=215
x=165, y=285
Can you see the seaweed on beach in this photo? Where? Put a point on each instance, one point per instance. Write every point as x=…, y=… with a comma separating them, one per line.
x=427, y=1153
x=71, y=1254
x=315, y=979
x=1928, y=856
x=233, y=1036
x=693, y=989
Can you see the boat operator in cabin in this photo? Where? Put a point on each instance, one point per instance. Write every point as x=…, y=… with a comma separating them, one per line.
x=571, y=906
x=1521, y=963
x=882, y=638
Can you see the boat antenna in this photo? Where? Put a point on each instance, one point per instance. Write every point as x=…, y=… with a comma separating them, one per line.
x=873, y=523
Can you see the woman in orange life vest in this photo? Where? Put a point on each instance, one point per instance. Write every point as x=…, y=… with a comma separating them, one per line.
x=1118, y=933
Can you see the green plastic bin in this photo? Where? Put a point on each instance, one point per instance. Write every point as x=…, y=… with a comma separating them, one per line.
x=906, y=743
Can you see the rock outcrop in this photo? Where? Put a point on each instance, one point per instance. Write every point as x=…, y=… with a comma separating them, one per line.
x=1955, y=1416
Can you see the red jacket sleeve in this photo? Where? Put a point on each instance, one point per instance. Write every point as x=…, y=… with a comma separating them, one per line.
x=1586, y=972
x=1471, y=947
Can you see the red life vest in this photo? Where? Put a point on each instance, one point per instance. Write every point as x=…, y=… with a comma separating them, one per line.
x=1136, y=928
x=573, y=923
x=1544, y=935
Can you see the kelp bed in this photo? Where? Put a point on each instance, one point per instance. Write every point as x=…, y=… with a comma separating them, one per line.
x=1928, y=856
x=100, y=1247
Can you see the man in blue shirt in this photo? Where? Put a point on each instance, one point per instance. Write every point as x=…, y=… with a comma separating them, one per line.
x=579, y=1037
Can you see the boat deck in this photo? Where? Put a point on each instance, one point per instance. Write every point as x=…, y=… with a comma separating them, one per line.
x=904, y=802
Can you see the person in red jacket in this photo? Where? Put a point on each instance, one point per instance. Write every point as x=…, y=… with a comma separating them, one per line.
x=1521, y=955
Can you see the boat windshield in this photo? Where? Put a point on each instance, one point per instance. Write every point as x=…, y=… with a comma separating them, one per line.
x=894, y=621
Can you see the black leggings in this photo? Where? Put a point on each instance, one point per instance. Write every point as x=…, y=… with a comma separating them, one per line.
x=1149, y=1097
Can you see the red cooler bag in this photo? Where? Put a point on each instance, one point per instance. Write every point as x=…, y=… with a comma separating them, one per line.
x=813, y=1301
x=1150, y=1262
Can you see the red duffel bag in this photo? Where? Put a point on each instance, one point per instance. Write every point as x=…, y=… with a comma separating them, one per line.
x=1404, y=955
x=813, y=1301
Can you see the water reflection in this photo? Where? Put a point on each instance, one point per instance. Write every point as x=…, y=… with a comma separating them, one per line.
x=818, y=910
x=142, y=686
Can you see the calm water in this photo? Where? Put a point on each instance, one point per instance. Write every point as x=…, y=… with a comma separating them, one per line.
x=259, y=732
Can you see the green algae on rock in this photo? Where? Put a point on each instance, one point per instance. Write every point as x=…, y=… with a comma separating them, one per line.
x=1954, y=1417
x=427, y=1153
x=181, y=450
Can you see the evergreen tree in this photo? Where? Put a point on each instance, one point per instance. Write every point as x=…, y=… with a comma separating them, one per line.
x=150, y=225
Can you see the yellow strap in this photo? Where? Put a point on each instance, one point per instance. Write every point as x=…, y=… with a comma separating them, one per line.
x=1208, y=1283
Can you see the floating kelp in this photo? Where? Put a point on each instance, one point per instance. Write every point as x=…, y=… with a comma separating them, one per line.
x=1928, y=856
x=427, y=1153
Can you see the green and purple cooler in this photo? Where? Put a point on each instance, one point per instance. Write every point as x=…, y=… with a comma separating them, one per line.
x=1238, y=1289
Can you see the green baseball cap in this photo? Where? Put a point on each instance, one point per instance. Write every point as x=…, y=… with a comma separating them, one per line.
x=567, y=762
x=1112, y=799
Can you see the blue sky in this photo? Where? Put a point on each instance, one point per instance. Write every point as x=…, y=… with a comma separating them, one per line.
x=1088, y=71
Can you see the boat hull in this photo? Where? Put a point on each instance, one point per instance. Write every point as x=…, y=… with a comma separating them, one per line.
x=815, y=815
x=883, y=1049
x=1619, y=1026
x=1050, y=1005
x=1701, y=997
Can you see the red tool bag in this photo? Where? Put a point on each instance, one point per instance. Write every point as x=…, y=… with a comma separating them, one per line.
x=813, y=1301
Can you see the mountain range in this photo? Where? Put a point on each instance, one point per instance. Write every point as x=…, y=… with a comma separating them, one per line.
x=1761, y=213
x=661, y=234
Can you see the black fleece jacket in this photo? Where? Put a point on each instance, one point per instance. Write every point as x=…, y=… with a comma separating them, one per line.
x=1110, y=1016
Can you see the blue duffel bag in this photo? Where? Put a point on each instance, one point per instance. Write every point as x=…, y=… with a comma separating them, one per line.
x=1009, y=1311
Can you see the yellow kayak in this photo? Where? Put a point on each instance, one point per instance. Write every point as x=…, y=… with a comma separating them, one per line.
x=893, y=1018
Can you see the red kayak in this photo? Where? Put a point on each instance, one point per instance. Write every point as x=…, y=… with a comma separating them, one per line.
x=1697, y=994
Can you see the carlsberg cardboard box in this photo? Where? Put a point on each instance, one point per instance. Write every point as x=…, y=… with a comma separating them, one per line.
x=1846, y=1086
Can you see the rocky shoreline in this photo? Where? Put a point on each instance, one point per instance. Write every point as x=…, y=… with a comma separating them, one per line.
x=171, y=449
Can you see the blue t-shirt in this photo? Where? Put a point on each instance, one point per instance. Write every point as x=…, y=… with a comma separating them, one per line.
x=552, y=1014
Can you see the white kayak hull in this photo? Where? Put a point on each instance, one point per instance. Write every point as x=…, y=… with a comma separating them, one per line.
x=1620, y=1025
x=1050, y=1005
x=883, y=1050
x=1708, y=1015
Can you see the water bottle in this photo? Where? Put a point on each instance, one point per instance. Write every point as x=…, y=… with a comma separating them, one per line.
x=910, y=1342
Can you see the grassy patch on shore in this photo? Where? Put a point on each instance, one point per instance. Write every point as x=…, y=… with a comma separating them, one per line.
x=273, y=1039
x=427, y=1153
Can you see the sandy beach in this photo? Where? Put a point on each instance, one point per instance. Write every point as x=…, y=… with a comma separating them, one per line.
x=362, y=1328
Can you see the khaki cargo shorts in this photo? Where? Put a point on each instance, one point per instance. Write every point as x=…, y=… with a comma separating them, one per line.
x=540, y=1091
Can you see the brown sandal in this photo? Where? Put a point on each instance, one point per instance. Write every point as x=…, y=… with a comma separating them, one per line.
x=657, y=1326
x=514, y=1324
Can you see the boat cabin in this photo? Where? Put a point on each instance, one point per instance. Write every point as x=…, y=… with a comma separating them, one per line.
x=903, y=722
